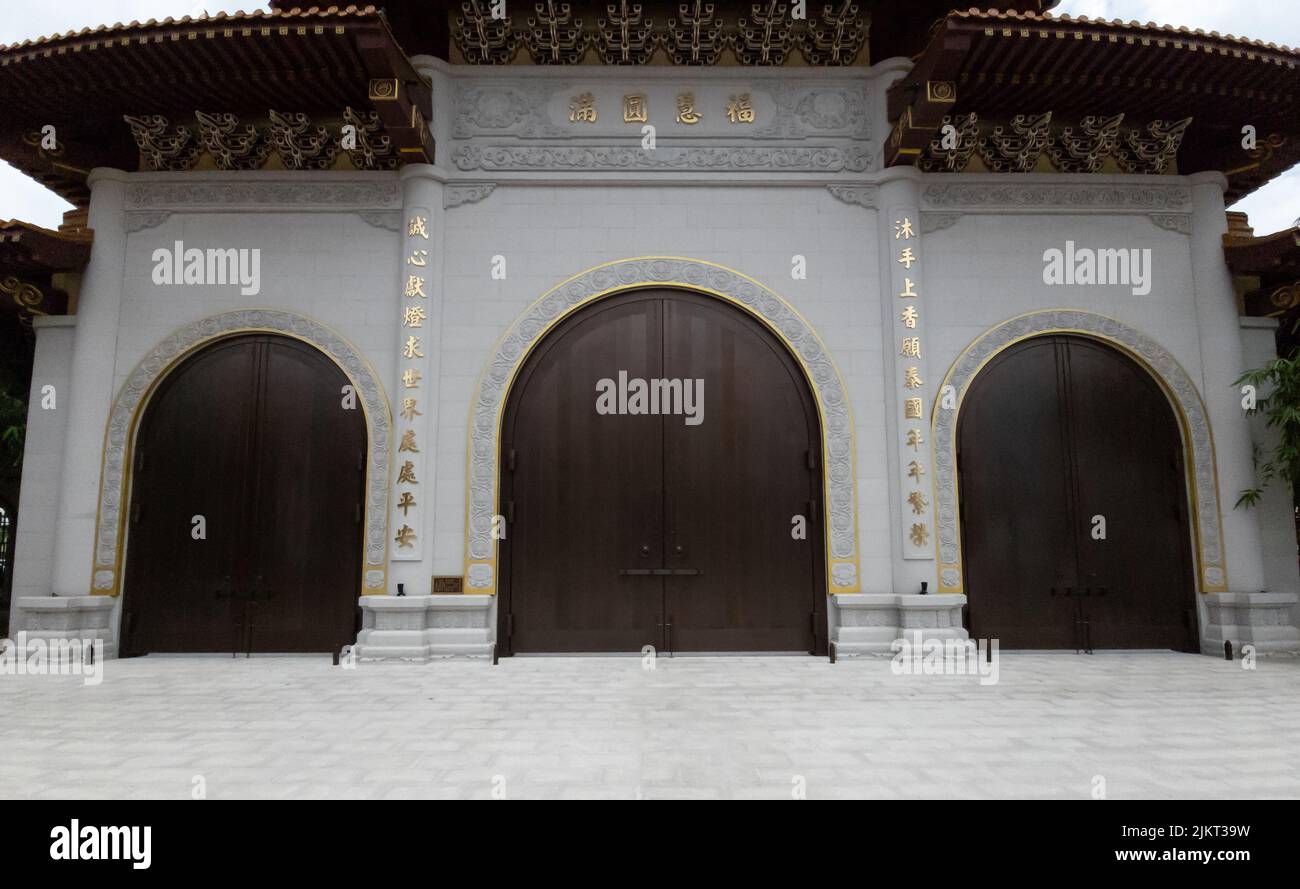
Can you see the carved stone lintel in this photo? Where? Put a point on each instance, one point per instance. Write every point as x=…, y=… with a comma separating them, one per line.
x=466, y=193
x=139, y=220
x=1002, y=196
x=853, y=158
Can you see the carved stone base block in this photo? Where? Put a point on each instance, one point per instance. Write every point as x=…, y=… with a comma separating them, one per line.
x=1259, y=619
x=868, y=624
x=66, y=617
x=423, y=628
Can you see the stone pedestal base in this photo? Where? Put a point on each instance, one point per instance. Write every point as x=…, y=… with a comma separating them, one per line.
x=1259, y=619
x=419, y=629
x=868, y=623
x=66, y=617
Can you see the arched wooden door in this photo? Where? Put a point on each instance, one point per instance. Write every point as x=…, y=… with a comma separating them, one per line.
x=1073, y=502
x=628, y=529
x=252, y=434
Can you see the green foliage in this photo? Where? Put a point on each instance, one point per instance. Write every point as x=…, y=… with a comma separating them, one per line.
x=13, y=428
x=1280, y=378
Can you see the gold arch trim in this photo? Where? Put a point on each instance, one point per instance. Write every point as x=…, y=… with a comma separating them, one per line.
x=142, y=383
x=839, y=465
x=1199, y=460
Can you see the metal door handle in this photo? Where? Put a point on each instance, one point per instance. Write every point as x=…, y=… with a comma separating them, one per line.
x=661, y=572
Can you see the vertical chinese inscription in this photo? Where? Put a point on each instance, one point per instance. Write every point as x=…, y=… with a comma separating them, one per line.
x=413, y=357
x=907, y=305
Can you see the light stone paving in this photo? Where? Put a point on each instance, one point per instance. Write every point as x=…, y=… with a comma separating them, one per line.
x=1152, y=724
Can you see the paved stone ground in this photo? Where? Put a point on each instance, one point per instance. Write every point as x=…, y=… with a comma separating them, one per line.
x=1153, y=725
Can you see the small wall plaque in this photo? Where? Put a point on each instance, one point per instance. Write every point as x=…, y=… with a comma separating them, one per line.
x=448, y=585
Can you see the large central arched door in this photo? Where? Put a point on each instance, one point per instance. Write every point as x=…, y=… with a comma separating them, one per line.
x=674, y=521
x=1073, y=502
x=246, y=504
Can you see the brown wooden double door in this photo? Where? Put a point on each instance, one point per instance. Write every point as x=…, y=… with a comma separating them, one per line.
x=1057, y=435
x=627, y=530
x=255, y=435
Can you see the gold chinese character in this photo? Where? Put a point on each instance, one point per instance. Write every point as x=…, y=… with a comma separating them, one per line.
x=915, y=470
x=686, y=112
x=412, y=348
x=916, y=498
x=912, y=409
x=413, y=316
x=911, y=347
x=418, y=258
x=405, y=537
x=906, y=258
x=408, y=410
x=914, y=439
x=909, y=317
x=919, y=534
x=912, y=381
x=903, y=229
x=407, y=474
x=408, y=442
x=582, y=109
x=739, y=109
x=415, y=287
x=411, y=378
x=635, y=109
x=908, y=292
x=415, y=228
x=406, y=501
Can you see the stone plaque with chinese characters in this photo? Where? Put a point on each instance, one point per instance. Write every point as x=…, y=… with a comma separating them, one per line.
x=411, y=394
x=912, y=380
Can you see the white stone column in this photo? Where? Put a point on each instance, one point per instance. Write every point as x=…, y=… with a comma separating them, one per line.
x=38, y=498
x=90, y=394
x=415, y=387
x=1222, y=362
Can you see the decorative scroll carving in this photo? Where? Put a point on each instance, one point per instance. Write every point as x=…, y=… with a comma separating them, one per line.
x=1174, y=222
x=854, y=158
x=341, y=192
x=836, y=38
x=27, y=296
x=624, y=39
x=555, y=37
x=1086, y=151
x=996, y=195
x=483, y=40
x=374, y=150
x=232, y=147
x=933, y=222
x=390, y=220
x=162, y=149
x=697, y=37
x=1153, y=152
x=467, y=193
x=1285, y=297
x=1017, y=151
x=766, y=38
x=861, y=195
x=300, y=145
x=136, y=221
x=938, y=159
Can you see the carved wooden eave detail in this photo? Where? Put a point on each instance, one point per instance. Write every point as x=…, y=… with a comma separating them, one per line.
x=554, y=36
x=696, y=36
x=1265, y=270
x=481, y=39
x=35, y=263
x=836, y=37
x=230, y=143
x=190, y=92
x=625, y=36
x=766, y=37
x=1043, y=142
x=1184, y=96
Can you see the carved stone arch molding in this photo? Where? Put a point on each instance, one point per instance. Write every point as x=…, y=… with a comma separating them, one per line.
x=124, y=417
x=688, y=274
x=1193, y=423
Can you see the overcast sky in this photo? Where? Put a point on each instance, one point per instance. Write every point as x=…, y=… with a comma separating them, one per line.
x=1274, y=207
